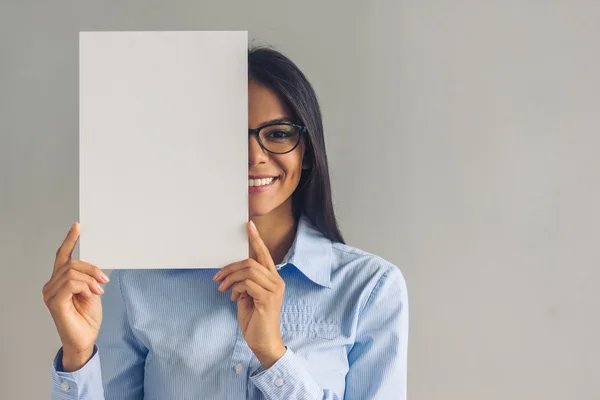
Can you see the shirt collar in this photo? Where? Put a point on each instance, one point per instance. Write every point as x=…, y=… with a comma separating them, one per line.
x=311, y=253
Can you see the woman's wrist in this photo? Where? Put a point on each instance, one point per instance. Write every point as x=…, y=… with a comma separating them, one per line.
x=72, y=361
x=269, y=358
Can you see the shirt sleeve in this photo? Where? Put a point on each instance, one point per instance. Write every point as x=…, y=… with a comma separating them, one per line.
x=377, y=361
x=85, y=383
x=116, y=369
x=288, y=379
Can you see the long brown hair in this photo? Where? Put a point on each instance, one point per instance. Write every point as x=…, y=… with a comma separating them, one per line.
x=312, y=197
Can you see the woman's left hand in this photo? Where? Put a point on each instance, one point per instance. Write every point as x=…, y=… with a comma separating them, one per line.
x=258, y=289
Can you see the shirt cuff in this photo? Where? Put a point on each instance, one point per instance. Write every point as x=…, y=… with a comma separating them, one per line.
x=75, y=385
x=286, y=379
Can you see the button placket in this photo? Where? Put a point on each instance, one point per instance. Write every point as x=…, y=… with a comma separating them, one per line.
x=239, y=362
x=239, y=368
x=65, y=386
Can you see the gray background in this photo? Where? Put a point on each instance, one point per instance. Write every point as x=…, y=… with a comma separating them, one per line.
x=462, y=138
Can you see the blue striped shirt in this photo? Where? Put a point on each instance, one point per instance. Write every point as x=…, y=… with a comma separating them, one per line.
x=170, y=334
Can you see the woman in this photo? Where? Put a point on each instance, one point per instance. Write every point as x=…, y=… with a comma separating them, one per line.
x=304, y=317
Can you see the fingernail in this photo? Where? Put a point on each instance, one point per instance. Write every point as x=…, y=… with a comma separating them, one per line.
x=100, y=288
x=252, y=225
x=221, y=285
x=216, y=276
x=104, y=277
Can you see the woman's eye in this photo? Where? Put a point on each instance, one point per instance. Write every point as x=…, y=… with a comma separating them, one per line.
x=278, y=135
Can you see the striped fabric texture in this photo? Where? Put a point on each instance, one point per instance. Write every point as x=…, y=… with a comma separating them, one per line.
x=170, y=334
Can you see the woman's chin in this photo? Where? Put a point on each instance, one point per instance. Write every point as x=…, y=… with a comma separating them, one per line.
x=262, y=206
x=257, y=210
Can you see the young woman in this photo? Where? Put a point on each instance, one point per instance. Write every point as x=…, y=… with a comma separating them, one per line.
x=304, y=317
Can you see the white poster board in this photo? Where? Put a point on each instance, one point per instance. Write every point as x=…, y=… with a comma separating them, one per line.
x=163, y=177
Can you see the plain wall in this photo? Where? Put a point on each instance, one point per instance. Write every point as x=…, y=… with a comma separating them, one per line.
x=462, y=138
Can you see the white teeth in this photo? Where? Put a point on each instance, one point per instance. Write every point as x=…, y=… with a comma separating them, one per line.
x=260, y=182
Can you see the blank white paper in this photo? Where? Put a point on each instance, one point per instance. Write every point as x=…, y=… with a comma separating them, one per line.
x=163, y=152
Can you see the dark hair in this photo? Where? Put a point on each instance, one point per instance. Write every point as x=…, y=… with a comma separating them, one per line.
x=312, y=197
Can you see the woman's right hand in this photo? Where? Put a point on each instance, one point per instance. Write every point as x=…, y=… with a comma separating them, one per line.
x=73, y=297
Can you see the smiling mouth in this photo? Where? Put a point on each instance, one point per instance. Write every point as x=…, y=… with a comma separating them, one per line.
x=261, y=182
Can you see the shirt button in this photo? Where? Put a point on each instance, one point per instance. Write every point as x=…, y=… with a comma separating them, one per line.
x=65, y=386
x=239, y=368
x=278, y=382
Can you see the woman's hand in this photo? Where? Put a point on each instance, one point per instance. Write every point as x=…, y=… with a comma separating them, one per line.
x=258, y=289
x=73, y=297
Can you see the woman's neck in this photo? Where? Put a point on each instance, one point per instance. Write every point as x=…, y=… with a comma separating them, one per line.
x=277, y=230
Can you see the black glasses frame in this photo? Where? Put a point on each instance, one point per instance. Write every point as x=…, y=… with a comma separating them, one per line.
x=256, y=132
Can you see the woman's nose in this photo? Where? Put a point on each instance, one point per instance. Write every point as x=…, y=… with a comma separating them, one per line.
x=256, y=154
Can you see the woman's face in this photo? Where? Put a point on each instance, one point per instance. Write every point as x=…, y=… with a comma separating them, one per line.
x=264, y=106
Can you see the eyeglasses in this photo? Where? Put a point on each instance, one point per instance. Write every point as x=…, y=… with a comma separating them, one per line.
x=280, y=137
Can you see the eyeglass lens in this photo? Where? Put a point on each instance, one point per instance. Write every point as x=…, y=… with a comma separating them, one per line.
x=279, y=138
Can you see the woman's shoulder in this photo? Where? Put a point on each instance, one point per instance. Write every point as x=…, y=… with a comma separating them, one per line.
x=358, y=263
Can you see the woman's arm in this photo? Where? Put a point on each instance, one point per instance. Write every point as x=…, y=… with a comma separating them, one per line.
x=289, y=379
x=377, y=360
x=116, y=369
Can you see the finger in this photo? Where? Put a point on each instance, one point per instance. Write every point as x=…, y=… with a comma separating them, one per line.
x=226, y=270
x=240, y=265
x=73, y=275
x=260, y=249
x=65, y=251
x=254, y=290
x=84, y=267
x=237, y=266
x=68, y=290
x=251, y=273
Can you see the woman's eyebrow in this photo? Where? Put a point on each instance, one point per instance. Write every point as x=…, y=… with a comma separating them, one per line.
x=277, y=121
